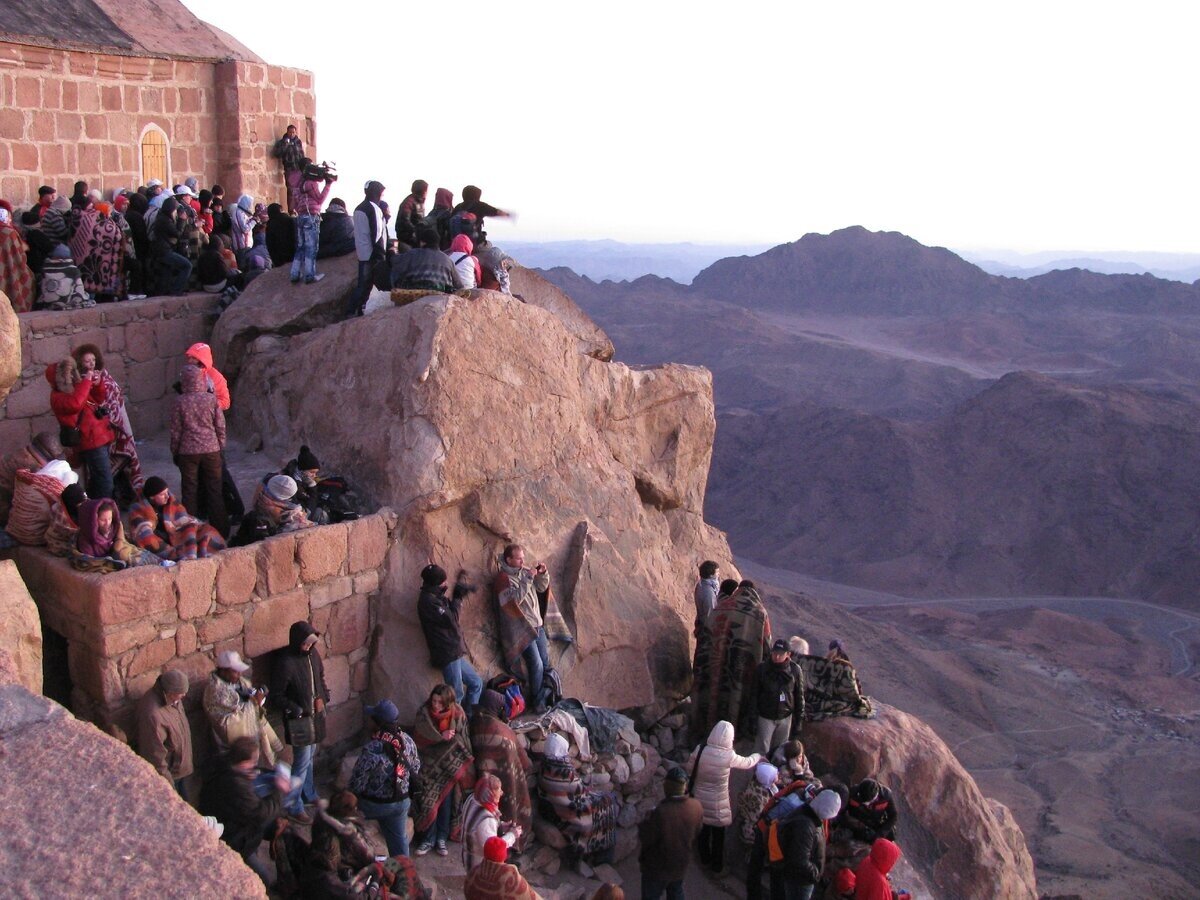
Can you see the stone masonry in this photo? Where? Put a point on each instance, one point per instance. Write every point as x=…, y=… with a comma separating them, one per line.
x=142, y=342
x=123, y=629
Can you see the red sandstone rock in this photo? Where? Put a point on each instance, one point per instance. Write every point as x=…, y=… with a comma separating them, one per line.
x=947, y=827
x=349, y=625
x=132, y=594
x=368, y=543
x=21, y=632
x=194, y=586
x=10, y=346
x=214, y=628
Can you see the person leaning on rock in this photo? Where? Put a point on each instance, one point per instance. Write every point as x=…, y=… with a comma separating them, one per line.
x=522, y=629
x=443, y=633
x=164, y=736
x=42, y=449
x=778, y=699
x=667, y=837
x=234, y=708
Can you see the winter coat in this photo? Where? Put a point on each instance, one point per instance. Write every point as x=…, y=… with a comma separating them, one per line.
x=802, y=839
x=479, y=824
x=228, y=796
x=299, y=680
x=667, y=837
x=711, y=785
x=216, y=381
x=197, y=423
x=281, y=515
x=872, y=820
x=779, y=693
x=439, y=621
x=232, y=717
x=164, y=736
x=517, y=592
x=706, y=600
x=75, y=404
x=870, y=879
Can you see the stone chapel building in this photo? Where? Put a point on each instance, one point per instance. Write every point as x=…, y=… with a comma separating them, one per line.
x=116, y=92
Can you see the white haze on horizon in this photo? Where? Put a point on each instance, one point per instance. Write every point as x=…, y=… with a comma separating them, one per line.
x=1025, y=126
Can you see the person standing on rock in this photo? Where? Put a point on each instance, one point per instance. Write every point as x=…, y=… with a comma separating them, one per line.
x=522, y=631
x=308, y=199
x=443, y=633
x=796, y=851
x=301, y=693
x=411, y=213
x=778, y=699
x=370, y=245
x=164, y=736
x=197, y=441
x=706, y=595
x=667, y=837
x=710, y=765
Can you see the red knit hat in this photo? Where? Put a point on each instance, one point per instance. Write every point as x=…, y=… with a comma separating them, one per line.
x=843, y=883
x=495, y=850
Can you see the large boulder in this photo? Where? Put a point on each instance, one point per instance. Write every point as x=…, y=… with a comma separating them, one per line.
x=80, y=809
x=481, y=422
x=10, y=346
x=533, y=288
x=21, y=632
x=273, y=305
x=968, y=846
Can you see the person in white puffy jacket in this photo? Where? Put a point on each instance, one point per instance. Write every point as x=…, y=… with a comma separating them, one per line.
x=710, y=766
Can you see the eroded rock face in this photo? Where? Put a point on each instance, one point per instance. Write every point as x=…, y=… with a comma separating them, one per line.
x=480, y=422
x=534, y=289
x=21, y=632
x=10, y=346
x=967, y=845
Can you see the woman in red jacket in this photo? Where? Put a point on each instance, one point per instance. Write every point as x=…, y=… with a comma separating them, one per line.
x=78, y=403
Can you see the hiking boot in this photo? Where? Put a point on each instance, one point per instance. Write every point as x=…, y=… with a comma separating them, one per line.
x=423, y=848
x=315, y=278
x=441, y=849
x=300, y=818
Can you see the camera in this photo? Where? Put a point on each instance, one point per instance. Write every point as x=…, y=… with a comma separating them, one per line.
x=246, y=693
x=324, y=171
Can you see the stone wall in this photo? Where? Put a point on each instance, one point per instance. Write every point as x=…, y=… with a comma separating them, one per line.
x=70, y=115
x=142, y=342
x=122, y=630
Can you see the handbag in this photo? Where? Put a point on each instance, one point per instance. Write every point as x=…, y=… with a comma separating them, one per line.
x=300, y=732
x=70, y=435
x=695, y=769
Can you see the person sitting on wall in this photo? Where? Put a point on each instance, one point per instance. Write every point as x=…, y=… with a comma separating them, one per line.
x=162, y=525
x=170, y=269
x=216, y=277
x=325, y=500
x=337, y=230
x=34, y=497
x=44, y=447
x=468, y=217
x=16, y=276
x=64, y=521
x=275, y=505
x=100, y=543
x=425, y=267
x=587, y=819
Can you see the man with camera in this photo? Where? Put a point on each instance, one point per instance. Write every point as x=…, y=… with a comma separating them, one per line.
x=517, y=589
x=309, y=198
x=234, y=708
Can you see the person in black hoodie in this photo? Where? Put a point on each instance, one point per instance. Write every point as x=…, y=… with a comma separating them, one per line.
x=281, y=235
x=228, y=795
x=337, y=231
x=443, y=633
x=871, y=812
x=300, y=692
x=801, y=839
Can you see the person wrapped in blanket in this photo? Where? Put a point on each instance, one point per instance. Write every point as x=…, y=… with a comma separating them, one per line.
x=587, y=819
x=325, y=500
x=162, y=525
x=100, y=544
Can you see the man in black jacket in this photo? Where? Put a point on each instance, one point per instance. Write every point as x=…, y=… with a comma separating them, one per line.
x=300, y=692
x=778, y=699
x=801, y=838
x=871, y=812
x=443, y=633
x=228, y=796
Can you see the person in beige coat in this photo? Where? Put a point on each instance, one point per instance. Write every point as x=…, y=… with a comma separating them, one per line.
x=234, y=708
x=164, y=736
x=709, y=766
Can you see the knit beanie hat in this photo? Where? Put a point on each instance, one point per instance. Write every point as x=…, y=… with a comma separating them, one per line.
x=282, y=487
x=557, y=746
x=154, y=485
x=766, y=774
x=495, y=849
x=173, y=682
x=826, y=804
x=676, y=783
x=306, y=459
x=432, y=576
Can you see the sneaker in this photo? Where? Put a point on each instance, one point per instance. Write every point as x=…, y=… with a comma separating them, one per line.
x=423, y=848
x=441, y=849
x=315, y=278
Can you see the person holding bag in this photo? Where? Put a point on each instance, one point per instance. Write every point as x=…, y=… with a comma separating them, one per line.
x=300, y=693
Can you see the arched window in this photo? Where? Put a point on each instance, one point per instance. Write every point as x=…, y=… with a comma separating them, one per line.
x=155, y=156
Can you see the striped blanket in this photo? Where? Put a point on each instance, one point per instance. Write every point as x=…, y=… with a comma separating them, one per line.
x=741, y=639
x=832, y=689
x=588, y=819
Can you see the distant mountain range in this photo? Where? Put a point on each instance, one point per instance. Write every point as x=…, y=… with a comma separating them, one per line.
x=608, y=260
x=892, y=416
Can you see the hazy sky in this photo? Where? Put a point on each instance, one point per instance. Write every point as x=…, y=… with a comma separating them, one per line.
x=1022, y=125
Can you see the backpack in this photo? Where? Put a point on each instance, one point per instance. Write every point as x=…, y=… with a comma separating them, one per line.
x=510, y=688
x=465, y=223
x=551, y=687
x=374, y=775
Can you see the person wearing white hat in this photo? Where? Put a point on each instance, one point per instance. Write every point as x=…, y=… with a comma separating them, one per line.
x=234, y=707
x=275, y=504
x=801, y=838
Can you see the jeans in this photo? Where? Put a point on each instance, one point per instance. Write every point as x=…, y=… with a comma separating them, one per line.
x=461, y=674
x=393, y=822
x=537, y=660
x=362, y=290
x=200, y=473
x=308, y=234
x=652, y=888
x=771, y=733
x=99, y=471
x=785, y=888
x=302, y=768
x=171, y=273
x=440, y=829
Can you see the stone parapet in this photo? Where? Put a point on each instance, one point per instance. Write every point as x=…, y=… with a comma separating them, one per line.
x=142, y=341
x=123, y=629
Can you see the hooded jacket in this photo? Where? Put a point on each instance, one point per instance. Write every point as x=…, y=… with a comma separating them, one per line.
x=202, y=353
x=711, y=783
x=439, y=621
x=803, y=844
x=75, y=404
x=299, y=679
x=871, y=877
x=197, y=423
